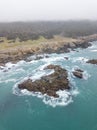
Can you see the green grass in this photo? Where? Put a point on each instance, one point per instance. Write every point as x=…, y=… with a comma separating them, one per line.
x=10, y=44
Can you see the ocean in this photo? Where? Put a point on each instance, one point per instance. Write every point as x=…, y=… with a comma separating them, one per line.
x=73, y=110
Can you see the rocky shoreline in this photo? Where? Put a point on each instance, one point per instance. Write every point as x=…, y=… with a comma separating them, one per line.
x=48, y=84
x=15, y=56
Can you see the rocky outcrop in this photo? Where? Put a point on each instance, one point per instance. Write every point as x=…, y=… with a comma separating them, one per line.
x=66, y=58
x=93, y=61
x=48, y=84
x=78, y=73
x=83, y=44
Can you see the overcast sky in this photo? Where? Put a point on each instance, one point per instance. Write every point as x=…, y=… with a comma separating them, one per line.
x=29, y=10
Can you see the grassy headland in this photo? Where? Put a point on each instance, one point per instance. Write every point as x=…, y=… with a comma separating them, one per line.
x=19, y=40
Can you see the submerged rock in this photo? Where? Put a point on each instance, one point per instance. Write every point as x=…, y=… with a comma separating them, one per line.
x=93, y=61
x=66, y=58
x=78, y=73
x=48, y=84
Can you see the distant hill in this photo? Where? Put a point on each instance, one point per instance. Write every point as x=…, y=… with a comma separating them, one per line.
x=33, y=30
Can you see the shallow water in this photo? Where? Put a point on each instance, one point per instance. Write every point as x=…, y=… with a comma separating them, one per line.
x=74, y=110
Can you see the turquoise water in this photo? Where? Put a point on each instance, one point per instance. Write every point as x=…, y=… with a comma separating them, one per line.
x=21, y=110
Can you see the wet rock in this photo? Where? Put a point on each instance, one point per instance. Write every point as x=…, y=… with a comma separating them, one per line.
x=52, y=67
x=93, y=61
x=66, y=58
x=62, y=49
x=83, y=44
x=78, y=73
x=79, y=70
x=48, y=84
x=46, y=56
x=38, y=57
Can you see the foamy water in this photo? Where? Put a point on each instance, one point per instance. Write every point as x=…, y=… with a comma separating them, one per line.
x=72, y=110
x=34, y=69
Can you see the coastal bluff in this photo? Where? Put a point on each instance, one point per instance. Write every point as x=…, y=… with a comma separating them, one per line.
x=14, y=53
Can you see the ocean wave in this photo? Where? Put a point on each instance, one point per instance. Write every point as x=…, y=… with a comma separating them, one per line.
x=93, y=50
x=86, y=75
x=43, y=66
x=94, y=45
x=51, y=60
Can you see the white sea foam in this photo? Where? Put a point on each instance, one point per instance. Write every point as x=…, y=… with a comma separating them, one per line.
x=79, y=59
x=93, y=45
x=43, y=66
x=94, y=50
x=21, y=62
x=65, y=97
x=75, y=92
x=40, y=74
x=9, y=65
x=34, y=57
x=1, y=67
x=86, y=75
x=10, y=80
x=52, y=59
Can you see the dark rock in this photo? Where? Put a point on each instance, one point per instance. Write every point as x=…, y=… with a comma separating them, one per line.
x=46, y=56
x=79, y=70
x=78, y=73
x=62, y=49
x=83, y=44
x=48, y=50
x=66, y=58
x=48, y=84
x=52, y=67
x=38, y=57
x=1, y=41
x=93, y=61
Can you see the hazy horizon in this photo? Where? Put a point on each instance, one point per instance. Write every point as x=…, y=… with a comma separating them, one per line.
x=47, y=10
